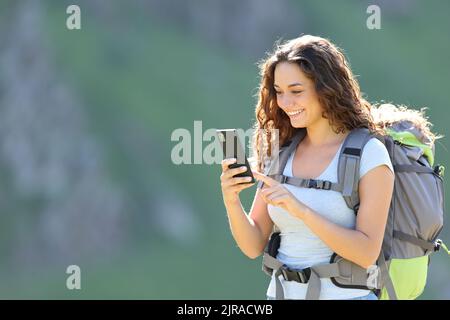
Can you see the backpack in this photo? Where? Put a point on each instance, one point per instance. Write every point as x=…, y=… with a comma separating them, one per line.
x=414, y=222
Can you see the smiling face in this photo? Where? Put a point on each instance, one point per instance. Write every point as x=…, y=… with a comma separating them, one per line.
x=334, y=108
x=296, y=95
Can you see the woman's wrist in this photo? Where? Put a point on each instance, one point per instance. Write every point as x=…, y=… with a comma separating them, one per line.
x=302, y=212
x=232, y=201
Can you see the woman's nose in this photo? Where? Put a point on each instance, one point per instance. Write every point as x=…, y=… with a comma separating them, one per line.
x=285, y=102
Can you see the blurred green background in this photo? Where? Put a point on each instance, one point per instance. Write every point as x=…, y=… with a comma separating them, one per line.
x=86, y=118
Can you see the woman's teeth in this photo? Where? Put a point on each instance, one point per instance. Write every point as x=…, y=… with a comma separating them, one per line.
x=294, y=113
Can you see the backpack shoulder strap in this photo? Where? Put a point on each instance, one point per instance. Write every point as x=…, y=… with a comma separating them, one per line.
x=349, y=163
x=278, y=163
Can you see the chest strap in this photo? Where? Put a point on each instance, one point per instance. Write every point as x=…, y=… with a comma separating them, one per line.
x=307, y=183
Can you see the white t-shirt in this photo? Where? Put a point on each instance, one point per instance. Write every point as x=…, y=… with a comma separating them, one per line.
x=300, y=247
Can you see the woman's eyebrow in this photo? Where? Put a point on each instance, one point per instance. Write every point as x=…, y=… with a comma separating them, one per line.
x=291, y=85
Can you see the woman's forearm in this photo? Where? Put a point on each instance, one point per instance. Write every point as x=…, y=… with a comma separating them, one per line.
x=350, y=244
x=244, y=230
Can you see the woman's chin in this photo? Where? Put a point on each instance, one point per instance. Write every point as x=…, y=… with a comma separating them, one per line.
x=297, y=124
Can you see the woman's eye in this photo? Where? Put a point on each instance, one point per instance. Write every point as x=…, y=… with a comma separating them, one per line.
x=294, y=92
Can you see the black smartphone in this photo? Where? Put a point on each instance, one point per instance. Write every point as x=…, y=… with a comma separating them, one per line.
x=232, y=148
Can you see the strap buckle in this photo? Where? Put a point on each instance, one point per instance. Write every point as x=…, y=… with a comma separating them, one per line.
x=439, y=170
x=303, y=276
x=319, y=184
x=300, y=276
x=312, y=184
x=326, y=185
x=437, y=245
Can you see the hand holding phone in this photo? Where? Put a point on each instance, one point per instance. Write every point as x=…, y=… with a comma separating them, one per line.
x=236, y=173
x=232, y=149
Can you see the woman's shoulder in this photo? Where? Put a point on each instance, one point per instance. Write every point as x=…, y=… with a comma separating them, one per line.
x=374, y=154
x=374, y=145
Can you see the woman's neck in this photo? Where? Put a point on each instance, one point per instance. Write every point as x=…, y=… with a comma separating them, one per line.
x=322, y=136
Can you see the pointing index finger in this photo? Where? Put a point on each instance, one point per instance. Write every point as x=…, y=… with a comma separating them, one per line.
x=267, y=180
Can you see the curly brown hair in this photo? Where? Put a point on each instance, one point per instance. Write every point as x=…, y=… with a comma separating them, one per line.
x=338, y=91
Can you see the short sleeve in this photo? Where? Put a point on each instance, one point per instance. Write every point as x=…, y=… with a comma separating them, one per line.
x=374, y=154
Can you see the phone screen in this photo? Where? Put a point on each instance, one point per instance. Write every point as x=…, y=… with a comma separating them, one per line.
x=232, y=148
